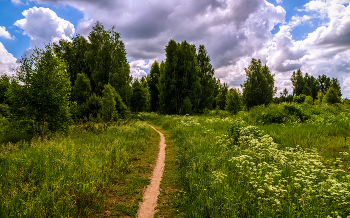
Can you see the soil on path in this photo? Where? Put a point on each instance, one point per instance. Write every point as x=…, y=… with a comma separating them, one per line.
x=146, y=209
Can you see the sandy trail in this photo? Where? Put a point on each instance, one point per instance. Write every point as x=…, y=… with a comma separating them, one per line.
x=146, y=209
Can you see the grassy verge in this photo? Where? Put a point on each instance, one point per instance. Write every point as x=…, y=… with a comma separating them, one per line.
x=79, y=175
x=227, y=168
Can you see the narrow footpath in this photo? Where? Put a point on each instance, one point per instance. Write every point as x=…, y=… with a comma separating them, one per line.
x=146, y=209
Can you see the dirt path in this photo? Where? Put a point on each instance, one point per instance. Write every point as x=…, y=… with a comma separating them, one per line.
x=146, y=209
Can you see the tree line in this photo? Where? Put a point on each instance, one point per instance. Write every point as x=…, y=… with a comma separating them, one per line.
x=89, y=79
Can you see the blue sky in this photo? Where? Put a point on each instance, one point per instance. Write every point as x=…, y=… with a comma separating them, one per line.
x=285, y=35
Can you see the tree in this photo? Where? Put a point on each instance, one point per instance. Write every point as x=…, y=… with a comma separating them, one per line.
x=336, y=85
x=307, y=90
x=106, y=57
x=313, y=84
x=299, y=98
x=221, y=97
x=81, y=88
x=325, y=83
x=74, y=53
x=207, y=80
x=319, y=100
x=259, y=87
x=4, y=85
x=309, y=100
x=233, y=101
x=153, y=80
x=331, y=96
x=95, y=104
x=138, y=97
x=108, y=103
x=283, y=95
x=180, y=77
x=40, y=91
x=298, y=82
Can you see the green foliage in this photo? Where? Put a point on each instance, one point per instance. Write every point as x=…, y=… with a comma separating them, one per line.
x=298, y=82
x=108, y=103
x=139, y=97
x=319, y=100
x=106, y=59
x=207, y=79
x=233, y=101
x=187, y=106
x=299, y=98
x=121, y=108
x=74, y=54
x=4, y=110
x=40, y=92
x=180, y=77
x=280, y=113
x=153, y=80
x=78, y=174
x=146, y=91
x=81, y=88
x=259, y=87
x=4, y=85
x=220, y=99
x=325, y=82
x=336, y=85
x=313, y=86
x=309, y=100
x=331, y=96
x=246, y=171
x=95, y=104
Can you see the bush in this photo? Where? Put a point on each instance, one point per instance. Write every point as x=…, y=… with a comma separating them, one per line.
x=187, y=106
x=309, y=100
x=299, y=99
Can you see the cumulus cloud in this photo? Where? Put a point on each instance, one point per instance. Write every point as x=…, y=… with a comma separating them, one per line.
x=43, y=26
x=229, y=29
x=5, y=34
x=7, y=61
x=233, y=31
x=324, y=51
x=137, y=67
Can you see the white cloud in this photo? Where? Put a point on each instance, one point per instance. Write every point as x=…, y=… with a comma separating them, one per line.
x=137, y=67
x=7, y=61
x=324, y=51
x=137, y=73
x=43, y=26
x=4, y=33
x=16, y=1
x=233, y=32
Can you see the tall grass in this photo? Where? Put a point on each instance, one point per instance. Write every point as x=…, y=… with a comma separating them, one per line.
x=72, y=176
x=228, y=168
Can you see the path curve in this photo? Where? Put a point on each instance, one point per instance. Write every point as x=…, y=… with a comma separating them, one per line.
x=149, y=202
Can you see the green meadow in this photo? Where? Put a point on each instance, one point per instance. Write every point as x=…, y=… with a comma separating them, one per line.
x=286, y=160
x=94, y=170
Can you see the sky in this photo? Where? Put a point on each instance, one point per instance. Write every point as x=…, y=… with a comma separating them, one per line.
x=284, y=34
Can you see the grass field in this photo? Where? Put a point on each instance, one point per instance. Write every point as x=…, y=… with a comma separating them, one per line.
x=276, y=161
x=230, y=166
x=82, y=174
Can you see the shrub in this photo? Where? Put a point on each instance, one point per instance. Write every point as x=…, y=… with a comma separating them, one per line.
x=309, y=100
x=299, y=99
